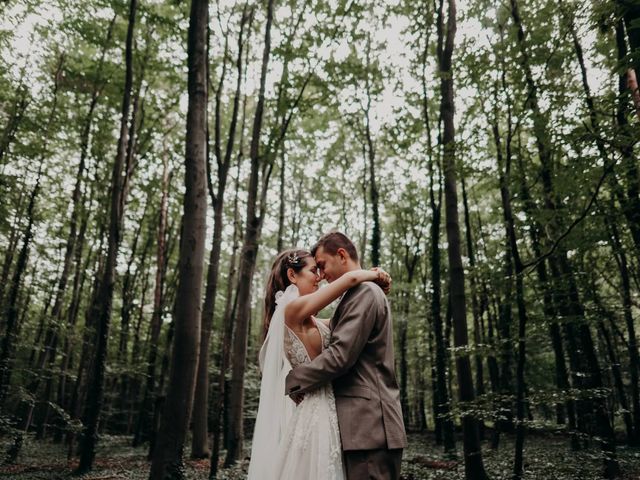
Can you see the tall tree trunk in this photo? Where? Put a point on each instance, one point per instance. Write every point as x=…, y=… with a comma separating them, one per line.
x=72, y=312
x=220, y=412
x=101, y=309
x=10, y=252
x=562, y=268
x=200, y=447
x=11, y=312
x=88, y=340
x=227, y=330
x=167, y=456
x=15, y=119
x=627, y=307
x=133, y=389
x=281, y=211
x=403, y=370
x=631, y=201
x=561, y=373
x=168, y=298
x=77, y=191
x=143, y=429
x=365, y=201
x=371, y=158
x=444, y=427
x=614, y=362
x=130, y=291
x=505, y=317
x=475, y=306
x=474, y=467
x=504, y=166
x=411, y=257
x=248, y=257
x=629, y=204
x=492, y=363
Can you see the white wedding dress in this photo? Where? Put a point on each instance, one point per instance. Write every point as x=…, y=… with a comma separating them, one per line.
x=293, y=442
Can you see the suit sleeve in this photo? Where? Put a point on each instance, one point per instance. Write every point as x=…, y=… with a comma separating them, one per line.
x=348, y=339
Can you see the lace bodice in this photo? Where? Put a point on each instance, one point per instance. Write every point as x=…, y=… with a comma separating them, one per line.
x=294, y=348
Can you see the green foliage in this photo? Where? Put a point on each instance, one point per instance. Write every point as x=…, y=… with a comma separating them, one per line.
x=336, y=68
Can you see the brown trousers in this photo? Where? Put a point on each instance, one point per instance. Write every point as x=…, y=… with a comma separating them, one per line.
x=381, y=464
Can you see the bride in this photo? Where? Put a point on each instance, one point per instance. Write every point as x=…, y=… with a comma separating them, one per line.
x=300, y=442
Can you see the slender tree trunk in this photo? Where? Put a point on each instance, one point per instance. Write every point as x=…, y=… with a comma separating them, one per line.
x=494, y=369
x=10, y=315
x=200, y=447
x=614, y=361
x=133, y=390
x=475, y=306
x=281, y=211
x=159, y=397
x=88, y=340
x=11, y=309
x=404, y=394
x=627, y=307
x=474, y=467
x=10, y=252
x=444, y=427
x=72, y=315
x=410, y=262
x=15, y=119
x=365, y=214
x=167, y=456
x=562, y=266
x=129, y=291
x=631, y=201
x=371, y=158
x=220, y=412
x=248, y=257
x=104, y=298
x=227, y=328
x=504, y=166
x=561, y=373
x=146, y=414
x=76, y=204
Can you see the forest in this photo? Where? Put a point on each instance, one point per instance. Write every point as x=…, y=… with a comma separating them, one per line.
x=156, y=155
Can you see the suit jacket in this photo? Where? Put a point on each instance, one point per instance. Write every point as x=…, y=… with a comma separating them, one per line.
x=359, y=361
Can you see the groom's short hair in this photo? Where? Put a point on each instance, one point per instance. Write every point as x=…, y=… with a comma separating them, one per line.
x=332, y=241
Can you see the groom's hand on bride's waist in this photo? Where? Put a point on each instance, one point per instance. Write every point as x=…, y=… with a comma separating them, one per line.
x=297, y=397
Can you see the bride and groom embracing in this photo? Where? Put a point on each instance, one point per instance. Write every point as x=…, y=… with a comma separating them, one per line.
x=329, y=402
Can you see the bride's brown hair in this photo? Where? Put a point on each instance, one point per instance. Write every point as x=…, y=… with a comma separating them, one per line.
x=278, y=280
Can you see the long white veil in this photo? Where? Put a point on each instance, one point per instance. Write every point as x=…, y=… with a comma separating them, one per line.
x=274, y=408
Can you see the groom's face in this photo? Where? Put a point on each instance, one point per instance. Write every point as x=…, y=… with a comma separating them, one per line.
x=330, y=266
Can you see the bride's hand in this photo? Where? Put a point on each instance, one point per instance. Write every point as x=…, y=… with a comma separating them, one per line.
x=383, y=280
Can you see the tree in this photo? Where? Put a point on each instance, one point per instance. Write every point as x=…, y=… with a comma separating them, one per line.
x=474, y=467
x=200, y=441
x=167, y=455
x=248, y=254
x=101, y=308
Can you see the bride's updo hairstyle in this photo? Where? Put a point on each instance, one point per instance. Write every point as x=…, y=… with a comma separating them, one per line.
x=278, y=279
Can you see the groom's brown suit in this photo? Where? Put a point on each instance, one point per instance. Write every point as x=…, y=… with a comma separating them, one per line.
x=359, y=361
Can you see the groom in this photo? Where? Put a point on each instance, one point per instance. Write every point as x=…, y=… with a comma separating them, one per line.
x=359, y=362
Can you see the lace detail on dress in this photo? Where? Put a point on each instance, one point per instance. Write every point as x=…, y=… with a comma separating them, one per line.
x=311, y=447
x=294, y=349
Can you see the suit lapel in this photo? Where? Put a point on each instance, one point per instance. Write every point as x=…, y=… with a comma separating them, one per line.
x=336, y=314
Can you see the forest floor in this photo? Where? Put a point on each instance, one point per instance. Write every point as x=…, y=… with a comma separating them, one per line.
x=547, y=457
